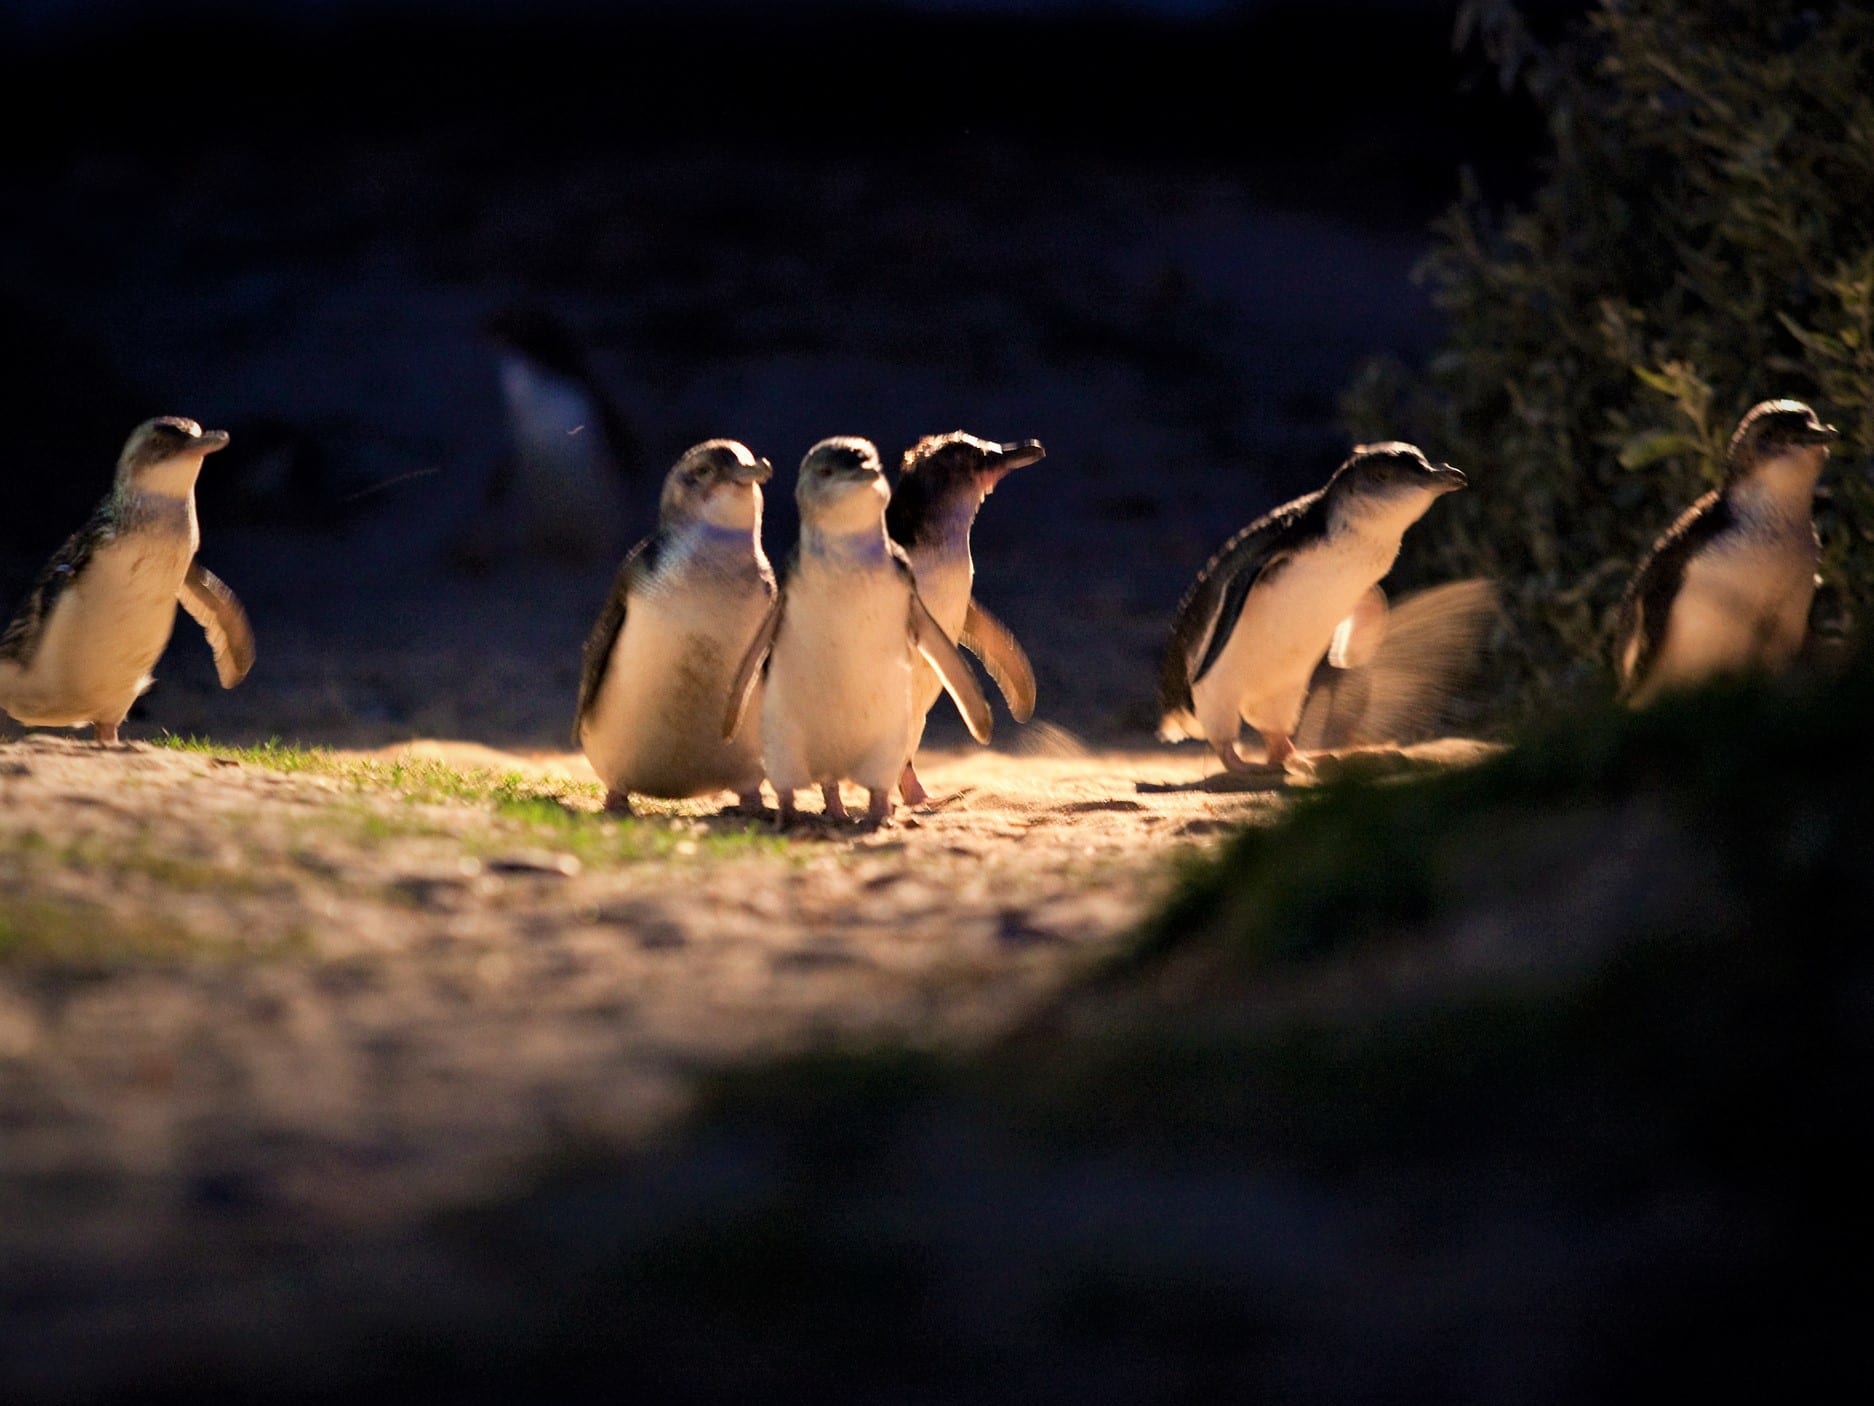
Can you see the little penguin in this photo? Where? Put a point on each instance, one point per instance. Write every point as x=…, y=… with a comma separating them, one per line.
x=942, y=483
x=1727, y=588
x=660, y=657
x=572, y=474
x=840, y=642
x=99, y=616
x=1297, y=583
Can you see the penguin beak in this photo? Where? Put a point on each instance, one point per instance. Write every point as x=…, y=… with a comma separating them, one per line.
x=758, y=472
x=211, y=440
x=1450, y=480
x=1019, y=455
x=1822, y=434
x=1009, y=457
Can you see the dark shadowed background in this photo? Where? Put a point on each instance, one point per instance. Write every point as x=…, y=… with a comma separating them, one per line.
x=1524, y=1083
x=1157, y=237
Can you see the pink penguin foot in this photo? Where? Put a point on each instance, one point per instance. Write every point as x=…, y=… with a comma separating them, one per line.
x=911, y=788
x=877, y=807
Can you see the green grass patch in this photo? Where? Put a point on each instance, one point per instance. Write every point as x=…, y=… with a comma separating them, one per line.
x=424, y=780
x=545, y=811
x=594, y=837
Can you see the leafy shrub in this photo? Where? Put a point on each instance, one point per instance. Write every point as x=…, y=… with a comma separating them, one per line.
x=1701, y=238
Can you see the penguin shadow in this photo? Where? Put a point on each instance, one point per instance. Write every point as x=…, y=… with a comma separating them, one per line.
x=820, y=826
x=936, y=805
x=734, y=818
x=1372, y=762
x=853, y=825
x=68, y=742
x=731, y=819
x=814, y=828
x=1257, y=780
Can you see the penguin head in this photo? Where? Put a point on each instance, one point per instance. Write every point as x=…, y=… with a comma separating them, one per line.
x=959, y=465
x=717, y=482
x=1389, y=484
x=842, y=485
x=1779, y=444
x=165, y=454
x=537, y=336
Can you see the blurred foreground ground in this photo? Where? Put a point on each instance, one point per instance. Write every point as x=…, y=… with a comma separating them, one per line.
x=250, y=1018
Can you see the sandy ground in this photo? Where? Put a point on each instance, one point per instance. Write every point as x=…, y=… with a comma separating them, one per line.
x=343, y=1008
x=244, y=1011
x=232, y=995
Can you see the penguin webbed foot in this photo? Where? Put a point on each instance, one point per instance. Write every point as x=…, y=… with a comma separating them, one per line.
x=877, y=808
x=747, y=803
x=1280, y=754
x=106, y=734
x=911, y=788
x=1237, y=764
x=833, y=817
x=617, y=802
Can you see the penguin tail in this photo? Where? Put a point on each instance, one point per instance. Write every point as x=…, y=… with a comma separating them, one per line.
x=1177, y=725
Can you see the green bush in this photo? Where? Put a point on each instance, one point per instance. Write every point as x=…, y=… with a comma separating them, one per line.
x=1701, y=238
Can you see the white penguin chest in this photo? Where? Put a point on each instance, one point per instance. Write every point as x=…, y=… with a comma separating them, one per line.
x=839, y=700
x=1286, y=623
x=1743, y=601
x=656, y=725
x=108, y=628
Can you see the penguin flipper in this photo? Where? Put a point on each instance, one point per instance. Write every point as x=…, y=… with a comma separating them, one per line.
x=1358, y=638
x=1646, y=604
x=1209, y=611
x=218, y=611
x=597, y=656
x=958, y=681
x=990, y=641
x=23, y=633
x=742, y=687
x=1407, y=689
